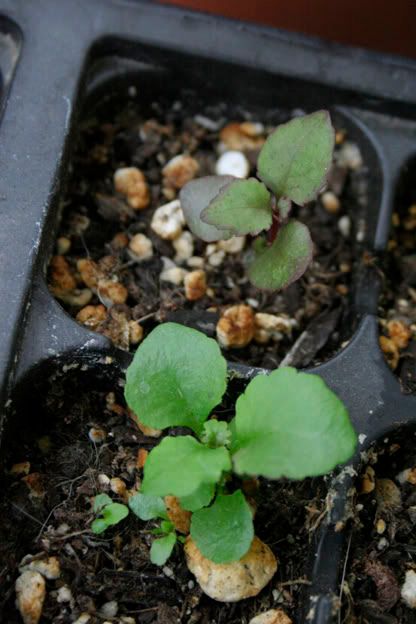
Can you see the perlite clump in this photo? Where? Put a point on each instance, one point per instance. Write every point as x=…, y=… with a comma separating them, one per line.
x=292, y=168
x=286, y=424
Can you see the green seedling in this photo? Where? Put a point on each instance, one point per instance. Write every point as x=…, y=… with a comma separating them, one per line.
x=292, y=168
x=109, y=513
x=286, y=424
x=152, y=508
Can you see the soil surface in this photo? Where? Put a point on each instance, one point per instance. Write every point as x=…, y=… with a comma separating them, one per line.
x=98, y=224
x=46, y=510
x=383, y=539
x=398, y=301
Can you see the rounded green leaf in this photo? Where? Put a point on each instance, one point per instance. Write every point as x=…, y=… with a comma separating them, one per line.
x=176, y=377
x=200, y=498
x=195, y=197
x=179, y=466
x=99, y=526
x=295, y=159
x=224, y=532
x=114, y=513
x=275, y=267
x=100, y=501
x=161, y=549
x=242, y=207
x=290, y=424
x=147, y=507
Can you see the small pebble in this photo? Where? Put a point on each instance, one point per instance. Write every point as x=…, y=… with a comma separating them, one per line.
x=168, y=220
x=23, y=468
x=130, y=182
x=236, y=327
x=173, y=275
x=233, y=163
x=119, y=487
x=49, y=568
x=180, y=170
x=382, y=543
x=330, y=202
x=408, y=590
x=273, y=616
x=76, y=299
x=103, y=480
x=195, y=262
x=92, y=315
x=168, y=572
x=233, y=245
x=109, y=609
x=30, y=592
x=135, y=332
x=380, y=526
x=217, y=258
x=64, y=594
x=184, y=246
x=344, y=226
x=111, y=292
x=84, y=618
x=195, y=285
x=349, y=156
x=141, y=247
x=63, y=245
x=96, y=435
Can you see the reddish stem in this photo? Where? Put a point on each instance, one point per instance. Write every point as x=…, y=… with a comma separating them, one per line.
x=274, y=228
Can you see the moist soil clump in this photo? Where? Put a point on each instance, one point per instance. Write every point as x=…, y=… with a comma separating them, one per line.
x=46, y=510
x=383, y=538
x=99, y=225
x=398, y=303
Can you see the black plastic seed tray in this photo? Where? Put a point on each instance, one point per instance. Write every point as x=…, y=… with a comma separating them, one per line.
x=54, y=54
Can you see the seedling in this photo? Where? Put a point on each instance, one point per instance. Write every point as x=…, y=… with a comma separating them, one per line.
x=151, y=508
x=286, y=424
x=292, y=168
x=109, y=513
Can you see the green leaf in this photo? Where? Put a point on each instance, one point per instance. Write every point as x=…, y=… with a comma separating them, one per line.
x=290, y=424
x=295, y=159
x=99, y=526
x=195, y=197
x=200, y=498
x=114, y=513
x=224, y=531
x=275, y=267
x=147, y=507
x=176, y=377
x=178, y=466
x=242, y=207
x=161, y=549
x=100, y=501
x=216, y=433
x=284, y=206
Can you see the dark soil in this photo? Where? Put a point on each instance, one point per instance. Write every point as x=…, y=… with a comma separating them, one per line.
x=383, y=540
x=398, y=301
x=52, y=434
x=109, y=137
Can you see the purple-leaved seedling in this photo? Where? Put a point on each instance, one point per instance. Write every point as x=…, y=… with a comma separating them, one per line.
x=292, y=168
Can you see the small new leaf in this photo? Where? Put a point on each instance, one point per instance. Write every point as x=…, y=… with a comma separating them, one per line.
x=282, y=263
x=161, y=549
x=147, y=507
x=224, y=532
x=111, y=514
x=242, y=207
x=216, y=433
x=100, y=501
x=176, y=377
x=195, y=197
x=295, y=159
x=179, y=466
x=290, y=424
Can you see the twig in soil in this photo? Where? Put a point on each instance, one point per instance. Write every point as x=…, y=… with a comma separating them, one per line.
x=298, y=581
x=25, y=513
x=344, y=571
